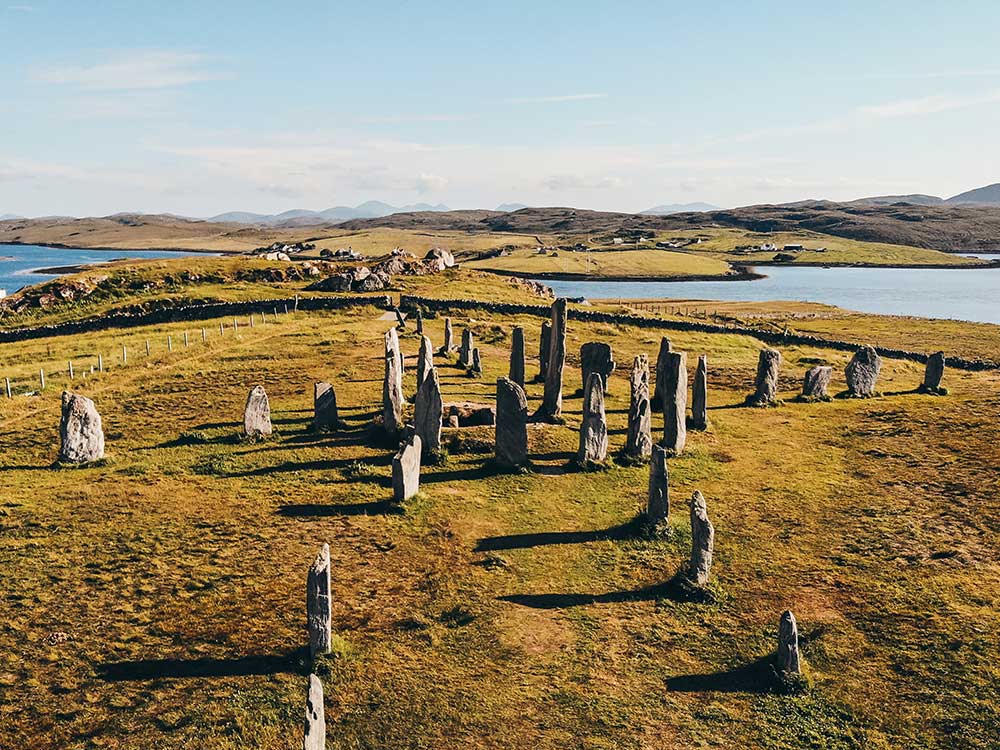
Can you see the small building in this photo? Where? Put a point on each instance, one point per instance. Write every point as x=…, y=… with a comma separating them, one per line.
x=793, y=248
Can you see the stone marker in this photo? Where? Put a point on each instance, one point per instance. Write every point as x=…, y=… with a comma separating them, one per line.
x=318, y=603
x=400, y=320
x=516, y=371
x=544, y=342
x=449, y=341
x=392, y=345
x=425, y=360
x=661, y=373
x=511, y=441
x=314, y=734
x=639, y=438
x=427, y=413
x=465, y=350
x=675, y=402
x=551, y=408
x=933, y=373
x=862, y=372
x=392, y=386
x=816, y=382
x=788, y=644
x=80, y=430
x=594, y=428
x=418, y=313
x=699, y=398
x=325, y=415
x=406, y=470
x=702, y=541
x=477, y=363
x=596, y=356
x=766, y=385
x=257, y=414
x=658, y=498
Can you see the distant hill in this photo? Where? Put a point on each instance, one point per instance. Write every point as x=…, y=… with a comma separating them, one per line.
x=916, y=199
x=10, y=217
x=984, y=196
x=678, y=208
x=508, y=207
x=307, y=217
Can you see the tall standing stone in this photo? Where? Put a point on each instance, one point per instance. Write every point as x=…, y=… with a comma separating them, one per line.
x=933, y=373
x=658, y=498
x=544, y=343
x=392, y=345
x=80, y=431
x=314, y=733
x=425, y=360
x=392, y=388
x=449, y=338
x=661, y=372
x=406, y=470
x=551, y=408
x=477, y=363
x=400, y=320
x=788, y=644
x=702, y=541
x=675, y=402
x=516, y=371
x=766, y=385
x=257, y=414
x=465, y=351
x=639, y=437
x=318, y=614
x=816, y=382
x=325, y=414
x=511, y=441
x=699, y=397
x=862, y=372
x=594, y=428
x=427, y=412
x=596, y=356
x=419, y=315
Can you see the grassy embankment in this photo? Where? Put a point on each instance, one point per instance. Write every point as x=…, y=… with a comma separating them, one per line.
x=491, y=611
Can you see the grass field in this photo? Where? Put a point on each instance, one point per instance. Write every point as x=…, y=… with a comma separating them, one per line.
x=639, y=264
x=158, y=600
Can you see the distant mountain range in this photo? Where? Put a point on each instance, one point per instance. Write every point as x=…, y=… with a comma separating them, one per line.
x=10, y=217
x=678, y=208
x=984, y=196
x=305, y=217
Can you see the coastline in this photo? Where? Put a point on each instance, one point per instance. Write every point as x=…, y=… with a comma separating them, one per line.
x=101, y=249
x=741, y=273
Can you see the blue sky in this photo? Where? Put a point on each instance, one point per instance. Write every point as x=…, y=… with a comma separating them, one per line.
x=199, y=108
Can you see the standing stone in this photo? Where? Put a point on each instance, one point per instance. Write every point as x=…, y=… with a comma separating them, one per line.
x=477, y=363
x=675, y=384
x=551, y=408
x=596, y=356
x=318, y=613
x=639, y=439
x=427, y=412
x=392, y=345
x=80, y=430
x=314, y=734
x=594, y=428
x=766, y=385
x=511, y=441
x=661, y=372
x=516, y=372
x=465, y=351
x=449, y=338
x=699, y=398
x=257, y=414
x=933, y=373
x=788, y=644
x=544, y=343
x=816, y=381
x=392, y=389
x=406, y=470
x=862, y=372
x=702, y=541
x=658, y=499
x=400, y=320
x=325, y=415
x=418, y=313
x=425, y=360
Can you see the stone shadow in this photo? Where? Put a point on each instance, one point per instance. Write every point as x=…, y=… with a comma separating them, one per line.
x=316, y=510
x=294, y=662
x=757, y=677
x=629, y=530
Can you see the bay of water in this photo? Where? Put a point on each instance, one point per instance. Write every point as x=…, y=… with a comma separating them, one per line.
x=18, y=262
x=959, y=294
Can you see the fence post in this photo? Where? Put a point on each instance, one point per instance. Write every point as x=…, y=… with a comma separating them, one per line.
x=7, y=384
x=203, y=337
x=100, y=363
x=70, y=363
x=222, y=328
x=147, y=347
x=124, y=355
x=186, y=340
x=41, y=379
x=170, y=343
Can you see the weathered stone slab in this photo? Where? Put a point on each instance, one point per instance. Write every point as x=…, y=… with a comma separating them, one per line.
x=80, y=430
x=318, y=613
x=766, y=385
x=702, y=541
x=639, y=437
x=699, y=397
x=862, y=372
x=594, y=428
x=467, y=414
x=419, y=315
x=449, y=338
x=658, y=497
x=406, y=470
x=325, y=415
x=427, y=413
x=934, y=373
x=544, y=344
x=596, y=356
x=257, y=414
x=661, y=372
x=392, y=386
x=511, y=441
x=476, y=370
x=788, y=645
x=516, y=371
x=465, y=350
x=425, y=360
x=816, y=382
x=675, y=402
x=314, y=733
x=551, y=408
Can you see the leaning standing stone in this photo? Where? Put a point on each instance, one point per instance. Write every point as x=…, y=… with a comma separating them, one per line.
x=551, y=408
x=594, y=428
x=425, y=360
x=314, y=735
x=392, y=391
x=675, y=403
x=465, y=351
x=427, y=412
x=406, y=470
x=325, y=415
x=80, y=430
x=788, y=644
x=816, y=382
x=511, y=441
x=699, y=398
x=702, y=541
x=544, y=342
x=639, y=438
x=658, y=499
x=449, y=342
x=766, y=386
x=933, y=373
x=477, y=363
x=318, y=613
x=862, y=372
x=661, y=372
x=257, y=414
x=595, y=356
x=517, y=356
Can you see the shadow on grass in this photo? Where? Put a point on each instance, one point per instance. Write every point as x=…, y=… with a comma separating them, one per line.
x=315, y=510
x=293, y=662
x=757, y=677
x=677, y=589
x=624, y=531
x=322, y=465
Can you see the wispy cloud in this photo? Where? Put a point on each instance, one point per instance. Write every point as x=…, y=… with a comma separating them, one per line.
x=141, y=69
x=555, y=99
x=930, y=105
x=21, y=8
x=403, y=118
